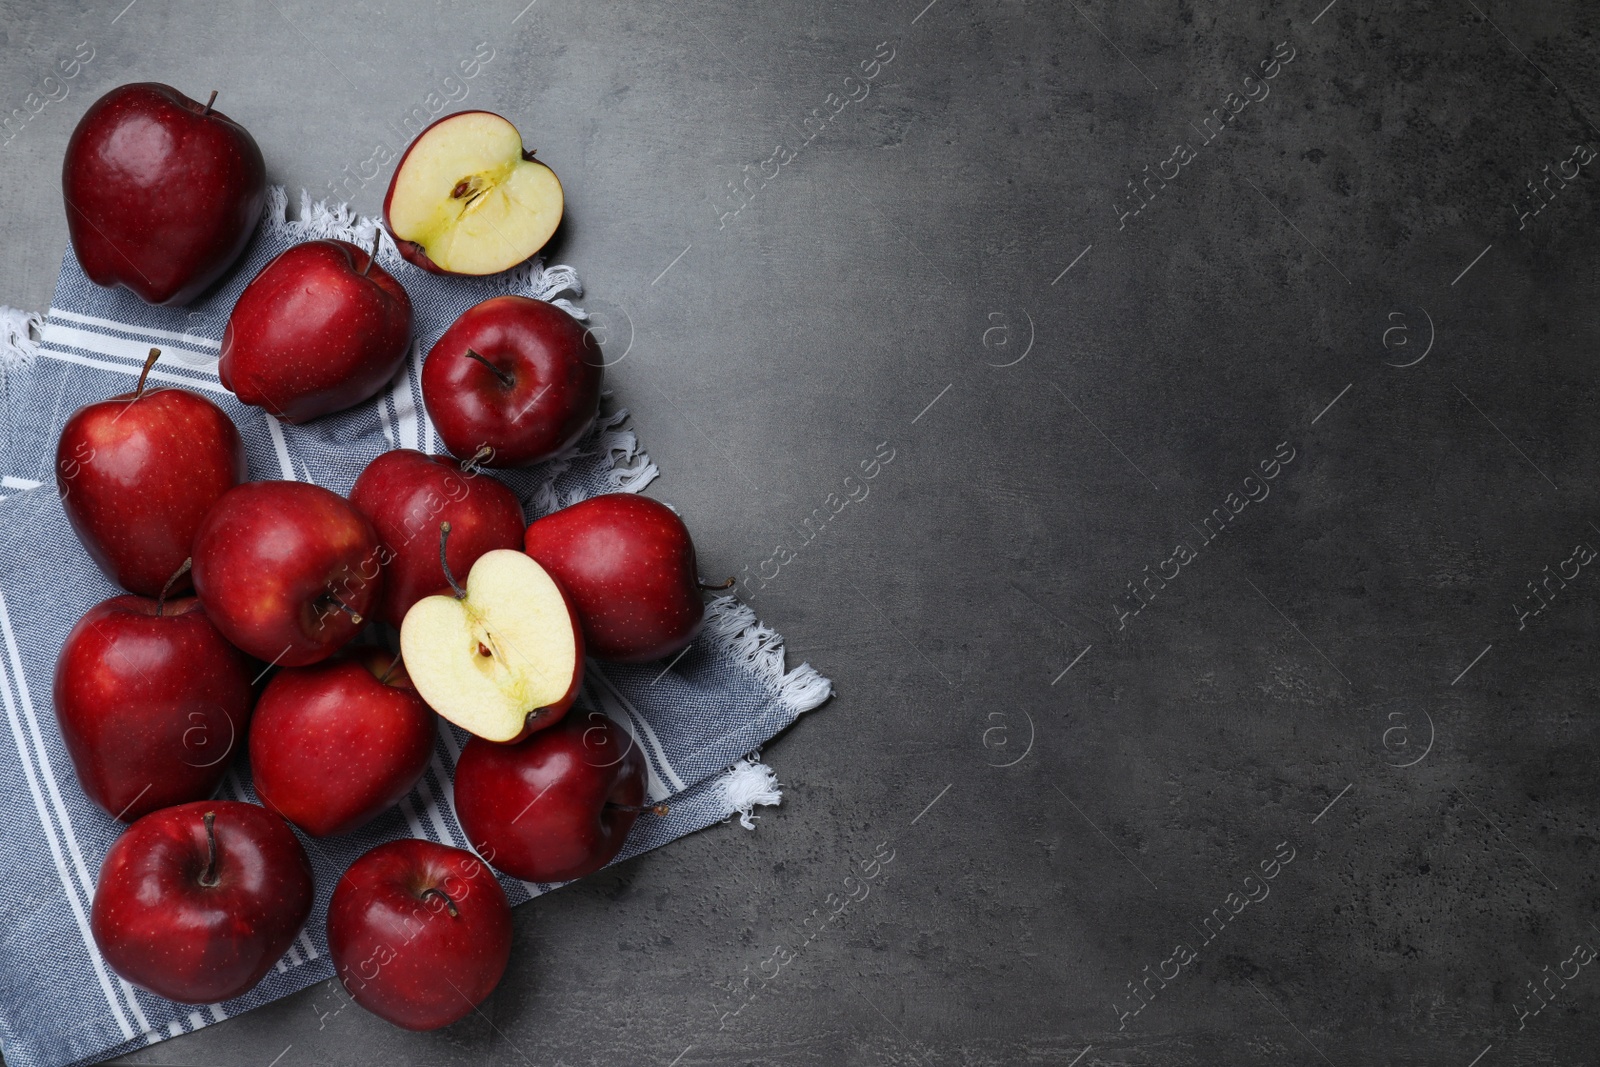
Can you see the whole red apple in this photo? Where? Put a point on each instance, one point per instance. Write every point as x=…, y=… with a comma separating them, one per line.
x=629, y=565
x=334, y=744
x=321, y=328
x=406, y=495
x=138, y=472
x=420, y=933
x=288, y=571
x=510, y=375
x=151, y=701
x=162, y=192
x=556, y=806
x=196, y=903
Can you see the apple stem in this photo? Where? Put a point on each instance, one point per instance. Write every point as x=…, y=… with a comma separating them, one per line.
x=207, y=109
x=444, y=562
x=372, y=256
x=653, y=809
x=703, y=584
x=481, y=456
x=208, y=877
x=149, y=361
x=505, y=379
x=449, y=904
x=527, y=154
x=355, y=616
x=161, y=601
x=384, y=677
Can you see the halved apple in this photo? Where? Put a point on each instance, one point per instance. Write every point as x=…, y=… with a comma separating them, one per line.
x=467, y=198
x=501, y=658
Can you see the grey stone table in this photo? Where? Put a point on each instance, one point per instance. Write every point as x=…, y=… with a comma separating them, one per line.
x=1215, y=653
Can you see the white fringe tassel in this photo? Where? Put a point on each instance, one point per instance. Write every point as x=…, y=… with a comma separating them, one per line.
x=748, y=783
x=320, y=220
x=628, y=469
x=733, y=626
x=17, y=344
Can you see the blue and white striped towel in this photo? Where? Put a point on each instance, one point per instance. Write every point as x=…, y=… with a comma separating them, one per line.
x=59, y=1002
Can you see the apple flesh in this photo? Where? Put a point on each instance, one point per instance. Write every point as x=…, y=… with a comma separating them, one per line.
x=501, y=658
x=162, y=192
x=556, y=806
x=138, y=472
x=321, y=328
x=420, y=933
x=629, y=565
x=510, y=375
x=288, y=571
x=467, y=198
x=197, y=902
x=406, y=494
x=336, y=743
x=151, y=702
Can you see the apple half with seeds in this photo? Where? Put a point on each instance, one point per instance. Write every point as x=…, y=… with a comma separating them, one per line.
x=502, y=656
x=467, y=198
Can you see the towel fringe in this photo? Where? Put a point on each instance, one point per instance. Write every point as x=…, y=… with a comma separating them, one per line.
x=734, y=627
x=19, y=344
x=320, y=220
x=627, y=467
x=748, y=783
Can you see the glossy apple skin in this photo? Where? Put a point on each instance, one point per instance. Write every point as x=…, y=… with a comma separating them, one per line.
x=136, y=476
x=161, y=929
x=315, y=332
x=161, y=195
x=554, y=395
x=268, y=559
x=151, y=706
x=629, y=565
x=396, y=946
x=406, y=494
x=537, y=809
x=332, y=745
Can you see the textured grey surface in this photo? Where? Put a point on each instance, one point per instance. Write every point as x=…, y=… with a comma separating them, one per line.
x=1312, y=654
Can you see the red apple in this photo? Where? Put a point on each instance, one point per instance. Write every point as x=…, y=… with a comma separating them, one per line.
x=420, y=933
x=151, y=701
x=288, y=571
x=334, y=744
x=196, y=903
x=629, y=565
x=406, y=495
x=162, y=192
x=556, y=806
x=510, y=375
x=321, y=328
x=467, y=198
x=138, y=472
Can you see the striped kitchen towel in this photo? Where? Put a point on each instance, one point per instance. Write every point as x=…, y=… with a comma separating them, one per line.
x=696, y=719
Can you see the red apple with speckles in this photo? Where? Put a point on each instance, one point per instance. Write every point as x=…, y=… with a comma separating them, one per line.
x=336, y=743
x=420, y=933
x=511, y=375
x=138, y=472
x=556, y=806
x=628, y=563
x=320, y=329
x=288, y=571
x=406, y=494
x=196, y=903
x=162, y=192
x=151, y=702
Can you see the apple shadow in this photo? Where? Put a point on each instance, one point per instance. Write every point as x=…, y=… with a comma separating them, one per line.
x=556, y=248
